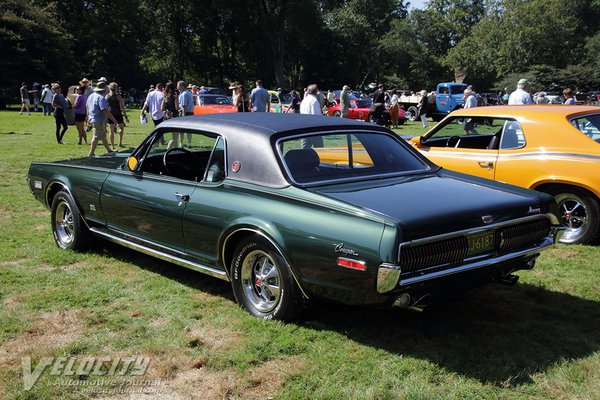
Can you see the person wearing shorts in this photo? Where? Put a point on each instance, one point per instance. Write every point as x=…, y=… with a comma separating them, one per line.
x=116, y=106
x=24, y=98
x=98, y=114
x=80, y=114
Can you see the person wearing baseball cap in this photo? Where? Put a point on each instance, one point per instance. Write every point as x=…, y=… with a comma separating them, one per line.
x=521, y=95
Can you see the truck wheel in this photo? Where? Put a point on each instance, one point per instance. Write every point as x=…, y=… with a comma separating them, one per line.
x=68, y=228
x=579, y=213
x=262, y=281
x=412, y=113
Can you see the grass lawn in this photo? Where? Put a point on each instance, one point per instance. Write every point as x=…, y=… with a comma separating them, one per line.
x=537, y=340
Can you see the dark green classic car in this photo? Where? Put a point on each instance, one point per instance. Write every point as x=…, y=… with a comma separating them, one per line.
x=295, y=207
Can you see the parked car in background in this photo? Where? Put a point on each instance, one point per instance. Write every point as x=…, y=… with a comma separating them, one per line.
x=280, y=102
x=553, y=149
x=490, y=99
x=213, y=104
x=295, y=207
x=361, y=109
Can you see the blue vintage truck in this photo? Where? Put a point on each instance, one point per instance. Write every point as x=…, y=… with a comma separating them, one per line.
x=448, y=97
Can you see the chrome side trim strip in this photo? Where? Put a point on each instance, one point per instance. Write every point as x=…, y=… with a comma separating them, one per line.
x=257, y=232
x=163, y=256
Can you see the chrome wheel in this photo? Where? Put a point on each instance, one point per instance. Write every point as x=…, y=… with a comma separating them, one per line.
x=261, y=281
x=574, y=216
x=65, y=223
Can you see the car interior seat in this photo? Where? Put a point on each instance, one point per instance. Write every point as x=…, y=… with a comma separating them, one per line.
x=302, y=163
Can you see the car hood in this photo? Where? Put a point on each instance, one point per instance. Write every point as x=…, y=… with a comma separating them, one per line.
x=433, y=204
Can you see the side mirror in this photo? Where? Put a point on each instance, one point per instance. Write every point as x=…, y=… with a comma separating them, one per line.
x=133, y=164
x=417, y=141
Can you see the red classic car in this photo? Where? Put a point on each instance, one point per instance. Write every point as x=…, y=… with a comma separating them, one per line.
x=213, y=104
x=360, y=109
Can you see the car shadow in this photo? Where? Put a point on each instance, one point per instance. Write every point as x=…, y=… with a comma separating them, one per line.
x=496, y=334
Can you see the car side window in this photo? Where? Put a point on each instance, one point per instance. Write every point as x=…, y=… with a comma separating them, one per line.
x=180, y=154
x=274, y=99
x=216, y=165
x=469, y=133
x=512, y=136
x=589, y=126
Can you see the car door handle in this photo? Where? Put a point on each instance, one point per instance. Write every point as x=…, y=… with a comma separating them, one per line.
x=183, y=198
x=486, y=164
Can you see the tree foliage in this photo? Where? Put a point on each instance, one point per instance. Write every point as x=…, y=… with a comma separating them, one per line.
x=290, y=44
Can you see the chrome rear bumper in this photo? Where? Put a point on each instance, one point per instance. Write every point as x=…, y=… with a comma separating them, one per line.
x=389, y=275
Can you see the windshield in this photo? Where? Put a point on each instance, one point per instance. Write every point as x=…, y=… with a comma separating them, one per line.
x=220, y=100
x=589, y=126
x=347, y=156
x=364, y=103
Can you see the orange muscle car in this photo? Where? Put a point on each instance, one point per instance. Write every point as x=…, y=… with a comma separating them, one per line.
x=550, y=148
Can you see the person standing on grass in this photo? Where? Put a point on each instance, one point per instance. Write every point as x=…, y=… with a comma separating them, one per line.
x=46, y=99
x=394, y=109
x=60, y=105
x=24, y=98
x=310, y=105
x=153, y=104
x=260, y=99
x=344, y=101
x=98, y=114
x=80, y=113
x=186, y=105
x=116, y=106
x=423, y=108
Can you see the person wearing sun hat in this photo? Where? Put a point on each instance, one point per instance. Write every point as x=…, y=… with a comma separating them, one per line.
x=87, y=87
x=521, y=95
x=98, y=115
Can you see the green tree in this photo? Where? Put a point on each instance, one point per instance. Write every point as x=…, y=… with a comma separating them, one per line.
x=33, y=46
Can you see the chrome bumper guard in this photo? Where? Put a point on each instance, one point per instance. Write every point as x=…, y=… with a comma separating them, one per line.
x=388, y=275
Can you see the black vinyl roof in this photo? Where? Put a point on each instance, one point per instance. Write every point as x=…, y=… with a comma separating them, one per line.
x=250, y=139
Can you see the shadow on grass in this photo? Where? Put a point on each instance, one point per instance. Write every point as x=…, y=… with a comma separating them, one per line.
x=495, y=334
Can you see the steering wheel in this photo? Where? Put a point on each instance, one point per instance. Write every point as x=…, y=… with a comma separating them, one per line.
x=184, y=166
x=453, y=141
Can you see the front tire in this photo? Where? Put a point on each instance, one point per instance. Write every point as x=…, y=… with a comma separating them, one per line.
x=262, y=281
x=580, y=215
x=68, y=228
x=337, y=114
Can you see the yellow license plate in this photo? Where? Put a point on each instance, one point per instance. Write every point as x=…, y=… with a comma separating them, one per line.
x=480, y=243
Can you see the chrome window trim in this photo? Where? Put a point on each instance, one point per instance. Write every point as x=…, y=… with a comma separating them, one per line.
x=279, y=151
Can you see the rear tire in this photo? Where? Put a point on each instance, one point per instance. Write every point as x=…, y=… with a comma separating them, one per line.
x=68, y=228
x=337, y=114
x=262, y=281
x=580, y=214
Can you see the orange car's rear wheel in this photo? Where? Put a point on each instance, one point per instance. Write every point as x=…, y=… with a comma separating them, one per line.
x=580, y=214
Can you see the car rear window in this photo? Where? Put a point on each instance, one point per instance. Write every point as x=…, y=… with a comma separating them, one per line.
x=330, y=157
x=589, y=126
